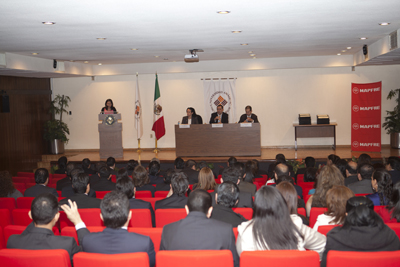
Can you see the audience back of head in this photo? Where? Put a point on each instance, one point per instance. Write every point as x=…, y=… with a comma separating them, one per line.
x=231, y=161
x=41, y=176
x=228, y=194
x=328, y=177
x=289, y=194
x=179, y=183
x=179, y=163
x=336, y=199
x=140, y=176
x=360, y=212
x=44, y=208
x=80, y=182
x=62, y=163
x=230, y=174
x=154, y=168
x=6, y=184
x=365, y=170
x=115, y=209
x=309, y=162
x=364, y=158
x=125, y=185
x=110, y=162
x=199, y=200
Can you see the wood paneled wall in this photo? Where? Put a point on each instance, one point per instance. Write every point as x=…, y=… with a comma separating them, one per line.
x=21, y=130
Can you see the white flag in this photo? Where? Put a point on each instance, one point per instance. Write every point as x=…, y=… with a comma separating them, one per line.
x=138, y=111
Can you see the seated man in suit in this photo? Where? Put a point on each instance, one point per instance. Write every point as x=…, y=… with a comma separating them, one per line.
x=248, y=117
x=115, y=238
x=104, y=183
x=393, y=167
x=351, y=173
x=39, y=234
x=197, y=231
x=244, y=186
x=154, y=173
x=231, y=161
x=86, y=166
x=220, y=116
x=81, y=187
x=191, y=172
x=61, y=164
x=41, y=179
x=166, y=185
x=67, y=180
x=111, y=165
x=126, y=186
x=192, y=117
x=282, y=171
x=227, y=197
x=363, y=185
x=231, y=174
x=177, y=199
x=68, y=191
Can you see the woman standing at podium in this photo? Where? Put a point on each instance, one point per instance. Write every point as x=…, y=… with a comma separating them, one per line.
x=109, y=107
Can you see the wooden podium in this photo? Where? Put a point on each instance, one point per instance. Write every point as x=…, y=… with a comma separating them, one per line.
x=110, y=133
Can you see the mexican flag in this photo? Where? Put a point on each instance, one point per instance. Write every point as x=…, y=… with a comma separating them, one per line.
x=158, y=125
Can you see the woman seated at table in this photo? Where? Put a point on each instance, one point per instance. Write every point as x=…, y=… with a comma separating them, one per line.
x=192, y=117
x=108, y=107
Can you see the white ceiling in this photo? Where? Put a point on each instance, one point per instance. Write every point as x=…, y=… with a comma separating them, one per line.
x=272, y=28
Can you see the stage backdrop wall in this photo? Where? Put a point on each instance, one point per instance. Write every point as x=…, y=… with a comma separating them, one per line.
x=277, y=97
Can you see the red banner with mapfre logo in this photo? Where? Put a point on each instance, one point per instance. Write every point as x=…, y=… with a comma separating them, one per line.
x=366, y=116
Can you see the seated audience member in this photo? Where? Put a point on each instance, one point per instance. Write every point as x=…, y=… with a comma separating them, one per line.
x=141, y=180
x=86, y=164
x=382, y=185
x=244, y=186
x=336, y=199
x=166, y=185
x=192, y=117
x=154, y=173
x=231, y=174
x=131, y=166
x=328, y=177
x=191, y=172
x=179, y=163
x=259, y=171
x=39, y=235
x=227, y=197
x=62, y=165
x=104, y=183
x=286, y=178
x=121, y=173
x=270, y=209
x=332, y=159
x=81, y=187
x=220, y=116
x=292, y=201
x=248, y=117
x=115, y=238
x=95, y=178
x=362, y=230
x=279, y=158
x=351, y=173
x=341, y=164
x=67, y=180
x=126, y=186
x=281, y=169
x=251, y=171
x=197, y=231
x=177, y=199
x=206, y=180
x=393, y=167
x=309, y=162
x=7, y=188
x=364, y=175
x=68, y=191
x=364, y=158
x=41, y=179
x=310, y=175
x=111, y=165
x=231, y=161
x=392, y=212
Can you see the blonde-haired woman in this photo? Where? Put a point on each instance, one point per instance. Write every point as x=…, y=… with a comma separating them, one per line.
x=206, y=180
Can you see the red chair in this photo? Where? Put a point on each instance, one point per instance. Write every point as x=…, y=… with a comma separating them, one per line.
x=21, y=187
x=259, y=184
x=210, y=191
x=34, y=258
x=22, y=180
x=91, y=217
x=113, y=178
x=301, y=211
x=279, y=258
x=10, y=230
x=260, y=180
x=26, y=174
x=152, y=200
x=58, y=176
x=306, y=198
x=143, y=194
x=306, y=187
x=7, y=203
x=86, y=259
x=2, y=244
x=395, y=227
x=140, y=218
x=364, y=259
x=300, y=179
x=314, y=214
x=24, y=202
x=377, y=209
x=191, y=187
x=21, y=217
x=245, y=212
x=162, y=194
x=218, y=180
x=166, y=216
x=386, y=215
x=360, y=195
x=101, y=194
x=153, y=233
x=5, y=217
x=71, y=231
x=195, y=258
x=324, y=229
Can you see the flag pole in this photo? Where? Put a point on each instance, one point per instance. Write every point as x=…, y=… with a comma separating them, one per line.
x=156, y=150
x=139, y=150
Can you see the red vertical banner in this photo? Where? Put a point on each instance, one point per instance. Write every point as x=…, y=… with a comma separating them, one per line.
x=366, y=116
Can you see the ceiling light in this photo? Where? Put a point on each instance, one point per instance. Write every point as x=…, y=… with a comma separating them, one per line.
x=363, y=38
x=252, y=55
x=134, y=49
x=156, y=56
x=101, y=38
x=250, y=52
x=343, y=51
x=48, y=22
x=384, y=23
x=35, y=54
x=99, y=64
x=338, y=54
x=244, y=44
x=85, y=62
x=223, y=12
x=236, y=31
x=348, y=48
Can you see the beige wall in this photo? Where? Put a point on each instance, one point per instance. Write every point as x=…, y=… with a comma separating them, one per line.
x=277, y=97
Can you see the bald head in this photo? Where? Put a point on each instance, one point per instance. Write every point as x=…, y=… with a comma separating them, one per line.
x=281, y=170
x=351, y=168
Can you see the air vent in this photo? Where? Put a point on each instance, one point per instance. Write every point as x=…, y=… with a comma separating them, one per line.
x=393, y=40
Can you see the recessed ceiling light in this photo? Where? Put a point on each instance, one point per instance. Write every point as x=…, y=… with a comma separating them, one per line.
x=343, y=51
x=363, y=38
x=223, y=12
x=35, y=54
x=101, y=38
x=236, y=31
x=384, y=23
x=338, y=54
x=134, y=49
x=244, y=44
x=48, y=22
x=99, y=64
x=252, y=55
x=250, y=52
x=156, y=56
x=348, y=48
x=85, y=62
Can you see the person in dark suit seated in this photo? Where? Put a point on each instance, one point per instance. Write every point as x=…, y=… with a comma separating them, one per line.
x=192, y=117
x=121, y=173
x=68, y=191
x=108, y=107
x=309, y=162
x=220, y=116
x=382, y=185
x=243, y=185
x=115, y=238
x=231, y=174
x=197, y=231
x=67, y=180
x=142, y=181
x=111, y=165
x=299, y=191
x=365, y=158
x=131, y=166
x=227, y=197
x=62, y=164
x=351, y=173
x=393, y=167
x=81, y=187
x=86, y=164
x=41, y=179
x=191, y=172
x=250, y=169
x=248, y=117
x=282, y=174
x=231, y=161
x=176, y=198
x=279, y=158
x=166, y=185
x=154, y=172
x=104, y=183
x=39, y=235
x=95, y=178
x=363, y=185
x=126, y=186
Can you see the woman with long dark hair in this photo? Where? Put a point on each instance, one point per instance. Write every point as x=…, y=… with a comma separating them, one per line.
x=108, y=107
x=381, y=183
x=391, y=213
x=192, y=117
x=141, y=180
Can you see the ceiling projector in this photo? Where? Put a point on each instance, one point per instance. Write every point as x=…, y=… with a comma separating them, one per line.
x=193, y=57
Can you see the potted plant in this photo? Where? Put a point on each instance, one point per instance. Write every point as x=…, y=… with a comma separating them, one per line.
x=392, y=121
x=55, y=130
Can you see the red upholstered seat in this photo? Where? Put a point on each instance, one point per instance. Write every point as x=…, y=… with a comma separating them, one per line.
x=386, y=215
x=5, y=217
x=85, y=259
x=152, y=200
x=91, y=217
x=22, y=180
x=306, y=187
x=70, y=231
x=166, y=216
x=140, y=218
x=162, y=194
x=324, y=229
x=101, y=194
x=20, y=187
x=58, y=176
x=143, y=194
x=194, y=258
x=34, y=258
x=245, y=212
x=24, y=202
x=301, y=211
x=153, y=233
x=314, y=214
x=26, y=174
x=2, y=242
x=364, y=259
x=300, y=179
x=10, y=230
x=279, y=258
x=7, y=203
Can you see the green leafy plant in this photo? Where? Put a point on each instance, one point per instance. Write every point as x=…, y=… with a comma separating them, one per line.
x=56, y=128
x=296, y=164
x=392, y=121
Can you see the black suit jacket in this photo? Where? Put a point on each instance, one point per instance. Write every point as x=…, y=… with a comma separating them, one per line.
x=89, y=171
x=38, y=189
x=351, y=179
x=172, y=202
x=103, y=185
x=193, y=176
x=225, y=118
x=245, y=200
x=163, y=187
x=83, y=201
x=395, y=176
x=247, y=187
x=35, y=238
x=62, y=183
x=68, y=191
x=195, y=120
x=141, y=204
x=155, y=179
x=361, y=187
x=116, y=241
x=147, y=187
x=94, y=178
x=197, y=232
x=227, y=215
x=244, y=117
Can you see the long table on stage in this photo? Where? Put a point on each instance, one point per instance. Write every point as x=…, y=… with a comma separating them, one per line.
x=219, y=140
x=315, y=130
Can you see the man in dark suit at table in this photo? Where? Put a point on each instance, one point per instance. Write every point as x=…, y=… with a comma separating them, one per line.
x=248, y=117
x=115, y=238
x=104, y=183
x=41, y=179
x=178, y=200
x=197, y=231
x=220, y=116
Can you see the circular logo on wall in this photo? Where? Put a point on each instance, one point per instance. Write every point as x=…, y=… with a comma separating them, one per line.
x=109, y=120
x=355, y=90
x=355, y=144
x=220, y=98
x=356, y=126
x=157, y=109
x=356, y=108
